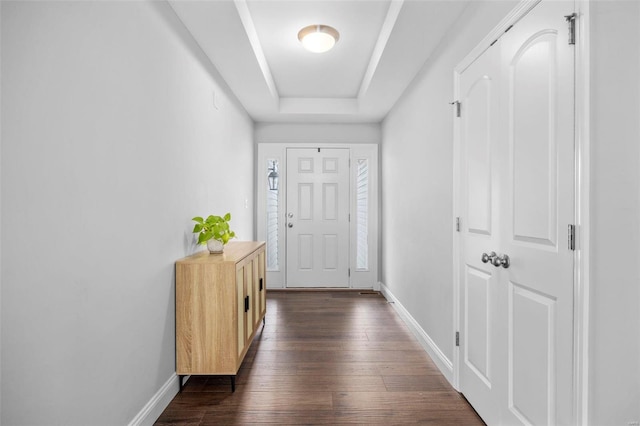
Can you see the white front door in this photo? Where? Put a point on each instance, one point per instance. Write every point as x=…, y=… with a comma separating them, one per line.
x=317, y=218
x=517, y=330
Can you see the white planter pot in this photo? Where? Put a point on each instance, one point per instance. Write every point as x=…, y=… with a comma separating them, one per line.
x=215, y=246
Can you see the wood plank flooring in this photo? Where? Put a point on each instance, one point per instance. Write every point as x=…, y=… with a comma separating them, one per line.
x=326, y=357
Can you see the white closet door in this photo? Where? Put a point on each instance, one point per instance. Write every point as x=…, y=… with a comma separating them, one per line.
x=480, y=355
x=517, y=192
x=539, y=175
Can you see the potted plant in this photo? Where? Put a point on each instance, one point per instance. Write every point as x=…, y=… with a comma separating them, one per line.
x=214, y=231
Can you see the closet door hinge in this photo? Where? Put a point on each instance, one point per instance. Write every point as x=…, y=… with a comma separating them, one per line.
x=349, y=272
x=457, y=224
x=457, y=104
x=572, y=237
x=457, y=338
x=571, y=21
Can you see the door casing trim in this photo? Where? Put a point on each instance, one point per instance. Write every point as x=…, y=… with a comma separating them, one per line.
x=359, y=279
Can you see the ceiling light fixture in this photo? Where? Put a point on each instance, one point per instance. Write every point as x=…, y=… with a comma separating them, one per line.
x=318, y=38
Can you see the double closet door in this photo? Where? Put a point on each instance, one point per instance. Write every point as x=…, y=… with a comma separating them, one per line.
x=516, y=189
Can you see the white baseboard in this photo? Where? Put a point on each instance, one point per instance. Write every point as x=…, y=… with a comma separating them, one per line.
x=445, y=365
x=156, y=405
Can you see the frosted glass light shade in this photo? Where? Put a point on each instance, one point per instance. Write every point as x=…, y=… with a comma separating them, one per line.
x=318, y=38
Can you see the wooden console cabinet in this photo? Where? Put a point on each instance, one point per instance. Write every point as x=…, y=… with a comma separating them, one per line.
x=220, y=301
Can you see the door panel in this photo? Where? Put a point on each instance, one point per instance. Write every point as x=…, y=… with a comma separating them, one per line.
x=249, y=286
x=533, y=90
x=240, y=291
x=305, y=201
x=330, y=253
x=531, y=332
x=330, y=201
x=263, y=277
x=317, y=217
x=305, y=252
x=477, y=135
x=477, y=345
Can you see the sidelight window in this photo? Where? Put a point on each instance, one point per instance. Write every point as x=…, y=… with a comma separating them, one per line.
x=362, y=214
x=273, y=215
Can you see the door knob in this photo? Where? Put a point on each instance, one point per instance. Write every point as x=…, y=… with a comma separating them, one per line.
x=486, y=258
x=290, y=215
x=290, y=225
x=496, y=260
x=503, y=261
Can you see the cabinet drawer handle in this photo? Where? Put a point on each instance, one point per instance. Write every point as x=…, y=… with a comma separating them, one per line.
x=260, y=284
x=246, y=304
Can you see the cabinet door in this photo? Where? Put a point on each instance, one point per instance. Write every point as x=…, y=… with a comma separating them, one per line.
x=240, y=293
x=262, y=285
x=256, y=292
x=250, y=283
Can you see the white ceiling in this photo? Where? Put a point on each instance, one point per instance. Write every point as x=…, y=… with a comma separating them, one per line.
x=382, y=46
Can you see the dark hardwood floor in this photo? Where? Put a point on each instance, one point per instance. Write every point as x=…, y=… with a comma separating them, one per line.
x=326, y=357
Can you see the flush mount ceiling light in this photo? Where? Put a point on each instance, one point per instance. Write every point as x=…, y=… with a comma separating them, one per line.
x=318, y=38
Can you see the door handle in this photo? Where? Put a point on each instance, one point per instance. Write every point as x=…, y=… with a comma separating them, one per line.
x=503, y=261
x=496, y=260
x=488, y=258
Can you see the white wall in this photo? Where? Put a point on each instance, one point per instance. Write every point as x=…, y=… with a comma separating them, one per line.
x=615, y=213
x=317, y=133
x=417, y=181
x=110, y=144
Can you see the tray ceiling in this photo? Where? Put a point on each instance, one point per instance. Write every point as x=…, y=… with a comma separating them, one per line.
x=254, y=46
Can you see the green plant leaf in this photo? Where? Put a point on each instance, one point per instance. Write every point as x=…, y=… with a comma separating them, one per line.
x=213, y=226
x=204, y=237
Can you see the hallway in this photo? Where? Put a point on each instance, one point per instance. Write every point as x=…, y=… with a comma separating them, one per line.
x=122, y=120
x=326, y=357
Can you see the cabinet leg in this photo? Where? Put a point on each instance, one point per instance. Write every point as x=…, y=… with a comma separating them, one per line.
x=180, y=379
x=233, y=383
x=264, y=321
